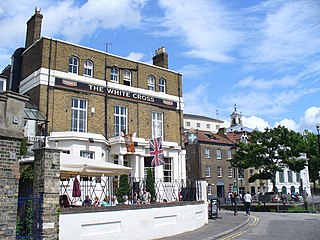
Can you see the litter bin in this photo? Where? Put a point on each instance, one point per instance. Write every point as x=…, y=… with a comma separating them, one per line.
x=213, y=207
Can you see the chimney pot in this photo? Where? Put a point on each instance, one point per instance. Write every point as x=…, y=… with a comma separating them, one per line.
x=161, y=58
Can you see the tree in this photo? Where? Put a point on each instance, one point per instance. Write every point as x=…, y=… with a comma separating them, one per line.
x=268, y=151
x=124, y=187
x=311, y=149
x=150, y=183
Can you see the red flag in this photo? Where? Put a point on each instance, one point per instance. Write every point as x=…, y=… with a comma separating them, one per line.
x=157, y=152
x=129, y=143
x=76, y=191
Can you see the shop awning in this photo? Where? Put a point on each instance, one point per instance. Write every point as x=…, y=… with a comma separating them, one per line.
x=73, y=165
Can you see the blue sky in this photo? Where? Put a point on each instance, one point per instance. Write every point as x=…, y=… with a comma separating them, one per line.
x=262, y=55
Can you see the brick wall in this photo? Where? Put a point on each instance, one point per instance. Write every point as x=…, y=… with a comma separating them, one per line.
x=47, y=182
x=139, y=114
x=11, y=133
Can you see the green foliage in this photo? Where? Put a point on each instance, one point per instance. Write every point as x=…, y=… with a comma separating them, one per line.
x=124, y=187
x=26, y=175
x=270, y=149
x=23, y=147
x=24, y=226
x=311, y=148
x=150, y=183
x=297, y=209
x=257, y=176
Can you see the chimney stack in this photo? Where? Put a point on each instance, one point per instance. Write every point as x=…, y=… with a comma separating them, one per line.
x=161, y=58
x=34, y=28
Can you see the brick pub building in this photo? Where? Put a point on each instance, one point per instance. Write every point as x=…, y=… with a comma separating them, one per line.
x=91, y=99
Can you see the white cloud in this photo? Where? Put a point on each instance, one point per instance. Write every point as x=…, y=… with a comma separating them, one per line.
x=205, y=26
x=137, y=56
x=288, y=123
x=267, y=84
x=310, y=118
x=307, y=122
x=288, y=32
x=76, y=22
x=196, y=101
x=66, y=19
x=255, y=122
x=267, y=103
x=193, y=71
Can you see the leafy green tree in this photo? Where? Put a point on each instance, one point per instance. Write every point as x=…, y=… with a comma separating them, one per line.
x=124, y=187
x=311, y=148
x=268, y=151
x=150, y=183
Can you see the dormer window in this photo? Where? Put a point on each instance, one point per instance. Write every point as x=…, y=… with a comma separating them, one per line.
x=127, y=77
x=162, y=85
x=114, y=75
x=88, y=68
x=73, y=64
x=151, y=81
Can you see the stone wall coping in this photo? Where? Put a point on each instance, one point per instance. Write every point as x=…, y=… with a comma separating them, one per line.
x=122, y=207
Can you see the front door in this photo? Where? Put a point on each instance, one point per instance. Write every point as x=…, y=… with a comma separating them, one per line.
x=220, y=191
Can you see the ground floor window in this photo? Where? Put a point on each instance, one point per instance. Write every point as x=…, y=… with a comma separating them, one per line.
x=167, y=170
x=147, y=164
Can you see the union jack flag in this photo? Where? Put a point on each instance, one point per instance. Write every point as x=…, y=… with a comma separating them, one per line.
x=157, y=152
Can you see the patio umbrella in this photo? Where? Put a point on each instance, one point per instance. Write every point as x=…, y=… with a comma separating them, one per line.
x=76, y=191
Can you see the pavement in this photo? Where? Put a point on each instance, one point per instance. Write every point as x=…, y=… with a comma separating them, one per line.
x=219, y=227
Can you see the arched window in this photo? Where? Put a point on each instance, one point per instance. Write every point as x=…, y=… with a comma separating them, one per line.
x=162, y=85
x=88, y=68
x=73, y=64
x=151, y=81
x=284, y=190
x=114, y=75
x=127, y=77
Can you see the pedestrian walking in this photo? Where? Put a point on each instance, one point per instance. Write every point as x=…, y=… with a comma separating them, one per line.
x=234, y=199
x=247, y=202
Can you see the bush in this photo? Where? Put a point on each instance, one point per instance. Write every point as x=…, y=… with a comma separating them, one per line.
x=124, y=188
x=150, y=184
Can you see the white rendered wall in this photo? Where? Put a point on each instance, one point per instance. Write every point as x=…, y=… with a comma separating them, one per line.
x=304, y=175
x=133, y=224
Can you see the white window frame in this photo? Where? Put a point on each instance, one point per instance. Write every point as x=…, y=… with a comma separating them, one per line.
x=73, y=65
x=127, y=77
x=209, y=190
x=167, y=170
x=290, y=176
x=230, y=172
x=219, y=171
x=3, y=85
x=208, y=171
x=298, y=177
x=79, y=115
x=198, y=125
x=208, y=125
x=219, y=153
x=87, y=154
x=88, y=68
x=281, y=177
x=188, y=124
x=151, y=82
x=229, y=154
x=207, y=152
x=157, y=124
x=114, y=75
x=162, y=85
x=120, y=120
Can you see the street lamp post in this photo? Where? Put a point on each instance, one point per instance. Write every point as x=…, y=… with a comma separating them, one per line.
x=235, y=180
x=318, y=135
x=235, y=170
